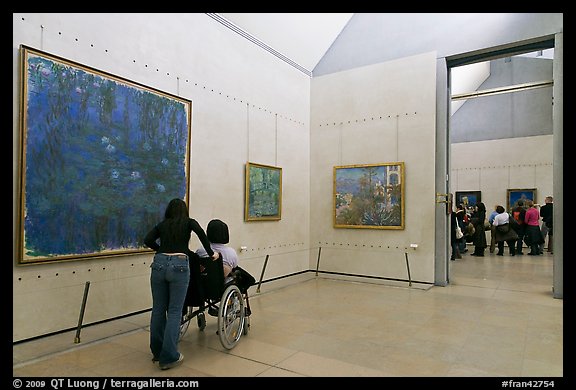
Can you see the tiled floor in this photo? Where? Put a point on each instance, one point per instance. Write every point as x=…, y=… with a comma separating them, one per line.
x=497, y=318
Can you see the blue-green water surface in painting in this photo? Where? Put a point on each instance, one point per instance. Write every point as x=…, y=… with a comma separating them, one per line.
x=102, y=159
x=264, y=193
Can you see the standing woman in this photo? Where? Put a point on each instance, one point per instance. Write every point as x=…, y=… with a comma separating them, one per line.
x=503, y=231
x=533, y=235
x=477, y=219
x=460, y=214
x=546, y=213
x=454, y=241
x=169, y=279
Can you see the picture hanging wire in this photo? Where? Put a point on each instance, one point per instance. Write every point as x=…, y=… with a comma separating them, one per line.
x=340, y=146
x=454, y=176
x=41, y=37
x=479, y=178
x=397, y=133
x=248, y=131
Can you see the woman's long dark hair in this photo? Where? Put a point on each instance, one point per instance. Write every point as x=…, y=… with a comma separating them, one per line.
x=176, y=216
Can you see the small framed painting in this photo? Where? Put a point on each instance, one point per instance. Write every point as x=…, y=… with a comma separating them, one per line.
x=263, y=201
x=524, y=194
x=468, y=198
x=369, y=196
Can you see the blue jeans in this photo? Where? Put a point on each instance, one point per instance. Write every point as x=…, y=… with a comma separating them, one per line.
x=455, y=249
x=462, y=244
x=169, y=280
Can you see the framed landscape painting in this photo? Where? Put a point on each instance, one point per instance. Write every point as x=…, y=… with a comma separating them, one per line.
x=100, y=158
x=263, y=198
x=468, y=198
x=369, y=196
x=524, y=194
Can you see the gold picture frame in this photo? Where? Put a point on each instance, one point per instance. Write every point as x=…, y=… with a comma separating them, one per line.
x=369, y=196
x=100, y=157
x=513, y=195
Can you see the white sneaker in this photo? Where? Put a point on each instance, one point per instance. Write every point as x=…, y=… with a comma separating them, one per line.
x=173, y=364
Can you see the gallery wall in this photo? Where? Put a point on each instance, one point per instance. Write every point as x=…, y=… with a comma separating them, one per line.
x=247, y=105
x=499, y=165
x=505, y=141
x=513, y=157
x=376, y=114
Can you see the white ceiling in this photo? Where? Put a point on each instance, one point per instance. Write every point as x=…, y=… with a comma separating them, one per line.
x=302, y=37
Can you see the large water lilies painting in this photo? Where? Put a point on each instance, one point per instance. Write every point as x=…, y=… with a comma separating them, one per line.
x=369, y=196
x=100, y=158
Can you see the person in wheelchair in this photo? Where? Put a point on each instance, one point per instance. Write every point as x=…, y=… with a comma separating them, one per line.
x=219, y=236
x=219, y=286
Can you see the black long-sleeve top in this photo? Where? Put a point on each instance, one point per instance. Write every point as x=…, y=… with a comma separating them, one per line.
x=546, y=213
x=176, y=243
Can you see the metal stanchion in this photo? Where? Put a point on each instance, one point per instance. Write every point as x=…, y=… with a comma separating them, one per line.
x=408, y=267
x=262, y=274
x=86, y=288
x=318, y=261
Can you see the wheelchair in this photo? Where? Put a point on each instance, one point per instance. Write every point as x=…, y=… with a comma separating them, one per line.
x=209, y=291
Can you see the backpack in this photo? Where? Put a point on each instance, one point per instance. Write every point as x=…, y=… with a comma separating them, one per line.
x=242, y=278
x=518, y=217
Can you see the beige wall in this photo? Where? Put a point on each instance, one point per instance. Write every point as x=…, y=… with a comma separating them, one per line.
x=495, y=166
x=376, y=114
x=247, y=105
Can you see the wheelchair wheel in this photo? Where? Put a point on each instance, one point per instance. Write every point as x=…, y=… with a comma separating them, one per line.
x=201, y=321
x=231, y=317
x=184, y=324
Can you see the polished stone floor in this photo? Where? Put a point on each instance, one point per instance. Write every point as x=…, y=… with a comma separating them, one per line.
x=497, y=318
